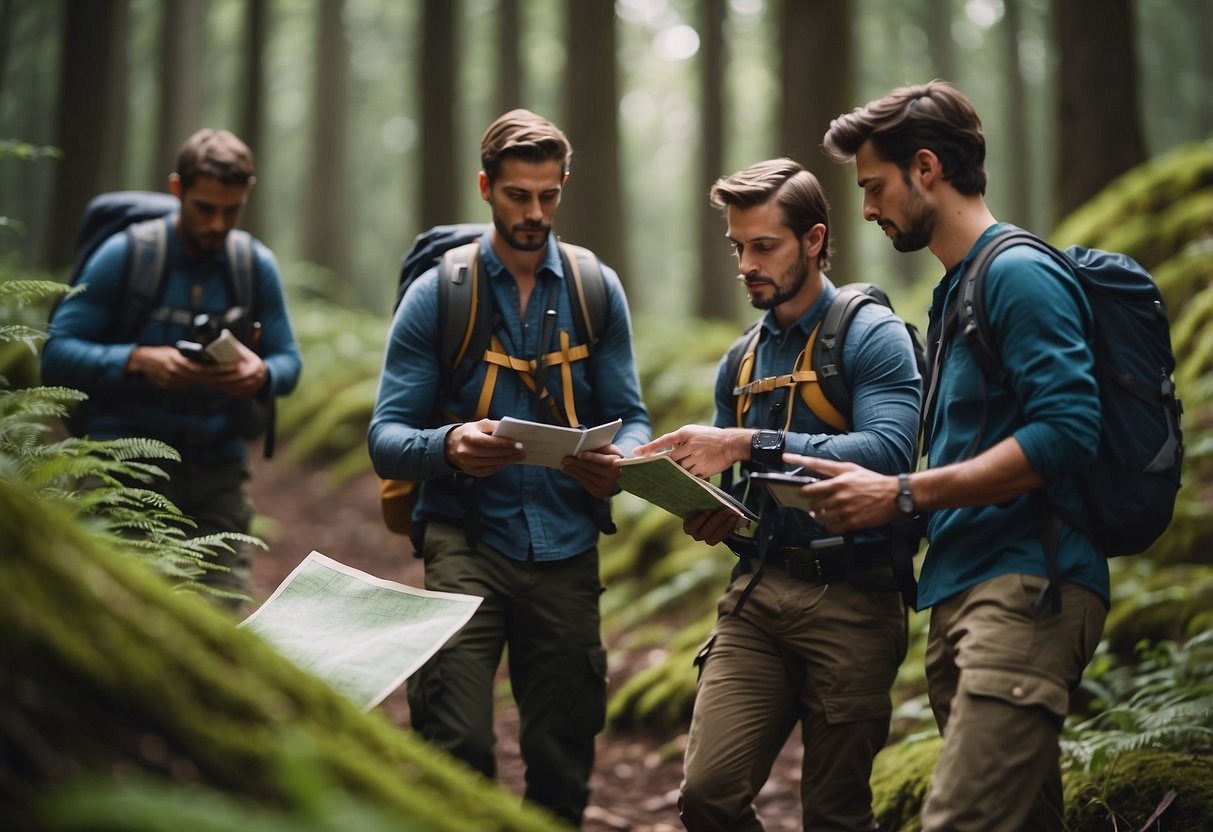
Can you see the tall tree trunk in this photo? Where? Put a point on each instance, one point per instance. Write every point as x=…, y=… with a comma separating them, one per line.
x=591, y=212
x=6, y=40
x=940, y=44
x=1203, y=31
x=818, y=76
x=1016, y=117
x=252, y=103
x=716, y=293
x=88, y=70
x=182, y=42
x=1099, y=114
x=509, y=63
x=439, y=167
x=324, y=239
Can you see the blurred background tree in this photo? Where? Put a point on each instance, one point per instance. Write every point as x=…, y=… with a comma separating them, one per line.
x=366, y=115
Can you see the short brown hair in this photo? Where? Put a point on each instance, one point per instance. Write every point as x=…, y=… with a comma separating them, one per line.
x=216, y=153
x=525, y=135
x=801, y=199
x=935, y=116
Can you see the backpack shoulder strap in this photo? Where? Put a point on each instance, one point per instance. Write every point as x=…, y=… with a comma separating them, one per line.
x=465, y=318
x=239, y=249
x=739, y=366
x=143, y=279
x=971, y=319
x=589, y=291
x=827, y=348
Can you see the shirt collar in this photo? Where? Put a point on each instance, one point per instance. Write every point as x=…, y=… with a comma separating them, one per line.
x=551, y=258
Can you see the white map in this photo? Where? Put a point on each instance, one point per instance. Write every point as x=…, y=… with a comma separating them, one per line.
x=361, y=634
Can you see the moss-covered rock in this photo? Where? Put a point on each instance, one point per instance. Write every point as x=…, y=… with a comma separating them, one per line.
x=1145, y=789
x=901, y=777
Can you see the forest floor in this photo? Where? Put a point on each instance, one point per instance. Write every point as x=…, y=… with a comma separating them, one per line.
x=635, y=783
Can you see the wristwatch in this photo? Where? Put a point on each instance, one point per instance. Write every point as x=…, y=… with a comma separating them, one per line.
x=766, y=447
x=905, y=497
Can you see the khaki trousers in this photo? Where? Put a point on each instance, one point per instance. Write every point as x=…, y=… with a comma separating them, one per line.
x=825, y=655
x=999, y=676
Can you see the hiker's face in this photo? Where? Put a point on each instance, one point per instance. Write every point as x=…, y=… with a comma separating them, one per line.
x=899, y=207
x=773, y=263
x=524, y=199
x=209, y=210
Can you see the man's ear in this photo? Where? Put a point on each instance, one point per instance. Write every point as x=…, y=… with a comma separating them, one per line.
x=482, y=180
x=926, y=166
x=813, y=240
x=174, y=184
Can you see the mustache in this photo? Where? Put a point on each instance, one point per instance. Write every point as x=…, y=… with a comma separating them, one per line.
x=758, y=278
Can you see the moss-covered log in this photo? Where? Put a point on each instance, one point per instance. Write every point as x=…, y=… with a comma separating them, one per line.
x=108, y=673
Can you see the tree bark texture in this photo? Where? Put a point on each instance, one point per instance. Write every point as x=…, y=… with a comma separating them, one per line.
x=1099, y=115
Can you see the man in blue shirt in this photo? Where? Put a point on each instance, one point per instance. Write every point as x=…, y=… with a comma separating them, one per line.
x=1000, y=667
x=146, y=387
x=821, y=634
x=534, y=560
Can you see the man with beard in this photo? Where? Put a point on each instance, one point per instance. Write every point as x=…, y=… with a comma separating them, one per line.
x=1000, y=665
x=534, y=560
x=141, y=385
x=819, y=637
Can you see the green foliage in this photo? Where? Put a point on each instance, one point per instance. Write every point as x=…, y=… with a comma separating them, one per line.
x=98, y=481
x=1164, y=702
x=1143, y=790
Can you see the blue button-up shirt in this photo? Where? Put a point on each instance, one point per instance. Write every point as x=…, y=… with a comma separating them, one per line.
x=879, y=369
x=524, y=509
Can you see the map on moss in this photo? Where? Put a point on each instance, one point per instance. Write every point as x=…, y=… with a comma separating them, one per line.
x=361, y=634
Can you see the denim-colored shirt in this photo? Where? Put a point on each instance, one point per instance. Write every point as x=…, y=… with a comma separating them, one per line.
x=81, y=351
x=524, y=509
x=879, y=369
x=1042, y=324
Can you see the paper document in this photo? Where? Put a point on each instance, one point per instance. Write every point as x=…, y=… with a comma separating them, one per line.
x=361, y=634
x=223, y=348
x=549, y=444
x=666, y=484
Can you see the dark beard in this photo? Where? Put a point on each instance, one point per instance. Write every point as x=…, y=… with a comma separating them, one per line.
x=919, y=230
x=800, y=276
x=517, y=244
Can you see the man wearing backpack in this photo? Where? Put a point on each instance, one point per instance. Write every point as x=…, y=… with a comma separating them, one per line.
x=1001, y=660
x=812, y=628
x=522, y=537
x=141, y=385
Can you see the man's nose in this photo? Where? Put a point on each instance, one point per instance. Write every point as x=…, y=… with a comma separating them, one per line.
x=869, y=210
x=534, y=211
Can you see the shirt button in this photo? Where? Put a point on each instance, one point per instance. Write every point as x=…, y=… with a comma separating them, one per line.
x=1017, y=692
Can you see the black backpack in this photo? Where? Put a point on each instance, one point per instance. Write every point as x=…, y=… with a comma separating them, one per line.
x=143, y=215
x=1129, y=490
x=833, y=405
x=467, y=321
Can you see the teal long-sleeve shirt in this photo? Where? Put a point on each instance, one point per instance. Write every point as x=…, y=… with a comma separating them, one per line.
x=1041, y=322
x=524, y=509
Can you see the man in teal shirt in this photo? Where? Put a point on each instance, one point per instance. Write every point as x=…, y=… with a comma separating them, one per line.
x=1000, y=667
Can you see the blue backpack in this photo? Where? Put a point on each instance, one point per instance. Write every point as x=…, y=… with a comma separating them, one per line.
x=1129, y=490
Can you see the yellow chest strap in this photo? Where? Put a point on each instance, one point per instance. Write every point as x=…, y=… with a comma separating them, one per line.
x=802, y=376
x=496, y=357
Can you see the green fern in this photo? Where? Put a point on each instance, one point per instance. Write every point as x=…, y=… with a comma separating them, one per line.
x=102, y=482
x=1164, y=702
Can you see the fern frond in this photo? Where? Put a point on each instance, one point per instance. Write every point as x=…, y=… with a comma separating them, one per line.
x=24, y=334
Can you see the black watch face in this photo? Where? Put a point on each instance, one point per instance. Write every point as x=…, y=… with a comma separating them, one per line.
x=767, y=441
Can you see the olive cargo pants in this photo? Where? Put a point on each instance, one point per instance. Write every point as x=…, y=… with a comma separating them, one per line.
x=999, y=676
x=824, y=654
